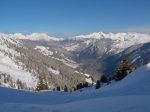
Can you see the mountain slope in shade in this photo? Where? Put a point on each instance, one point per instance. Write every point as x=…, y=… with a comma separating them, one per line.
x=132, y=94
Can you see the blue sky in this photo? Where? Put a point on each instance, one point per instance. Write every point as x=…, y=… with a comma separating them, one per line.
x=74, y=16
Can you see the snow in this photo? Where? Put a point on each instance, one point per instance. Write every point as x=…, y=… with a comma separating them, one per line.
x=94, y=35
x=33, y=36
x=87, y=75
x=42, y=36
x=148, y=66
x=95, y=105
x=120, y=40
x=132, y=94
x=56, y=72
x=89, y=80
x=9, y=67
x=136, y=37
x=136, y=59
x=64, y=59
x=44, y=50
x=72, y=47
x=67, y=61
x=87, y=42
x=4, y=48
x=5, y=38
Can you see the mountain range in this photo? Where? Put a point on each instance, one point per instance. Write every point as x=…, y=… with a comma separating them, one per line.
x=82, y=58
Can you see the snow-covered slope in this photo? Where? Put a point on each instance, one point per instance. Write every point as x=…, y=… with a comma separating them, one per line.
x=131, y=94
x=10, y=72
x=44, y=50
x=8, y=66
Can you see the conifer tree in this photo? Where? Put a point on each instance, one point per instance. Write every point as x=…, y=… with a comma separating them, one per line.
x=58, y=88
x=85, y=84
x=79, y=86
x=97, y=84
x=42, y=84
x=104, y=79
x=65, y=89
x=123, y=69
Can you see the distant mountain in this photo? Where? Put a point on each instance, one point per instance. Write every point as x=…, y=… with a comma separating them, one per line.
x=101, y=52
x=34, y=37
x=119, y=41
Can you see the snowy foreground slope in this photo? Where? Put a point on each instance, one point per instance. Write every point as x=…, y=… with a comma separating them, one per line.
x=132, y=94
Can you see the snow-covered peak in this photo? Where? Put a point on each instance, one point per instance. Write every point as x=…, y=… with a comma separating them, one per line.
x=116, y=36
x=4, y=39
x=33, y=36
x=17, y=36
x=95, y=35
x=41, y=36
x=118, y=41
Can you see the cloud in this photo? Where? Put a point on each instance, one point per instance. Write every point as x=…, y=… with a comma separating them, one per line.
x=62, y=34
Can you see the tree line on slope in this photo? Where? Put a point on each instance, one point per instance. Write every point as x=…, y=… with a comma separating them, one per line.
x=43, y=85
x=123, y=69
x=6, y=79
x=39, y=64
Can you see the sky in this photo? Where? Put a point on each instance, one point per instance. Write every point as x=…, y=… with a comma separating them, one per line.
x=74, y=16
